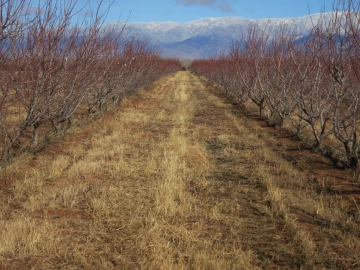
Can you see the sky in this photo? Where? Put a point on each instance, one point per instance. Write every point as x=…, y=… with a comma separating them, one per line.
x=188, y=10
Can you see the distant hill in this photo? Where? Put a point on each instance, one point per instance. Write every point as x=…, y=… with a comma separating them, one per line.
x=209, y=36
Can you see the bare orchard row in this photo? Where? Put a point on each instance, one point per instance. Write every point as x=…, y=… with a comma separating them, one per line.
x=55, y=60
x=314, y=81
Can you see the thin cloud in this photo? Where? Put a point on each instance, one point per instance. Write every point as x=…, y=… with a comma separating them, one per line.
x=226, y=8
x=223, y=5
x=199, y=2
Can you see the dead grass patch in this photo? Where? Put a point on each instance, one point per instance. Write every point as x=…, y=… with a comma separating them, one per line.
x=174, y=179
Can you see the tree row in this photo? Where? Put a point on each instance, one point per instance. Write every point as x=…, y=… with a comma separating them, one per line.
x=57, y=57
x=306, y=77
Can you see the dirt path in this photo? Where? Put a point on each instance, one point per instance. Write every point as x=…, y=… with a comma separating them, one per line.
x=175, y=179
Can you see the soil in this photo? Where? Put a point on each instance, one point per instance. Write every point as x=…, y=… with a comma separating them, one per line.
x=194, y=182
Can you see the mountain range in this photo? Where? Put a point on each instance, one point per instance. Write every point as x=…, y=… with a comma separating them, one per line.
x=209, y=36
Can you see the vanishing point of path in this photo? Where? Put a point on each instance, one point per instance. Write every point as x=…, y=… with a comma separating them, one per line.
x=176, y=178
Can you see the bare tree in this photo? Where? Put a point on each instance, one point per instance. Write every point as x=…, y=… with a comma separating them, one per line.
x=50, y=61
x=256, y=49
x=15, y=19
x=280, y=80
x=342, y=63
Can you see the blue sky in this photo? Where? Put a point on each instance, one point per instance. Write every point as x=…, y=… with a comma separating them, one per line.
x=188, y=10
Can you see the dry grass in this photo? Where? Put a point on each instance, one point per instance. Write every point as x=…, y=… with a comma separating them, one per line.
x=174, y=179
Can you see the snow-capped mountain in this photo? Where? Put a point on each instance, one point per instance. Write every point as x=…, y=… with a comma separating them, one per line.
x=208, y=36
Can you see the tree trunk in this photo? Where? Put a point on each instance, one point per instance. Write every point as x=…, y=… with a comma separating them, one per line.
x=35, y=137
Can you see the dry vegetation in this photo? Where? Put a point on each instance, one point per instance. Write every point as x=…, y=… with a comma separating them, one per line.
x=177, y=178
x=59, y=63
x=304, y=78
